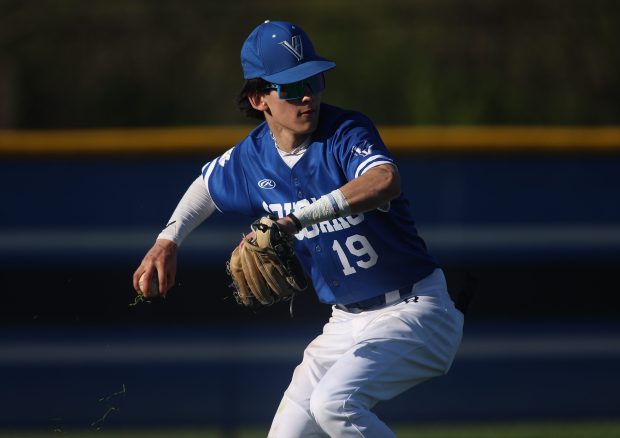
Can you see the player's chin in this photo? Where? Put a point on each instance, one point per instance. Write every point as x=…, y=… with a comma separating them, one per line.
x=307, y=122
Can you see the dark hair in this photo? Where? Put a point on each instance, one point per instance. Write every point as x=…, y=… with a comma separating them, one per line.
x=251, y=86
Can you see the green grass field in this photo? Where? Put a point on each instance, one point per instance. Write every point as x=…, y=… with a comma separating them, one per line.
x=607, y=429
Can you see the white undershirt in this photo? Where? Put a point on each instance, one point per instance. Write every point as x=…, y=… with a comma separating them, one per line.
x=291, y=158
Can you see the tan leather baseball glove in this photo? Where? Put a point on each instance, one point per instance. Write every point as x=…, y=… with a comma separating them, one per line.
x=264, y=268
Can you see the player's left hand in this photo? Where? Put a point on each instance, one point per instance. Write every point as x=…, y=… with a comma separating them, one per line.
x=287, y=224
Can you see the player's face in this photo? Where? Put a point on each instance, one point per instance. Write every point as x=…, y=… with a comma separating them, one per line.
x=300, y=116
x=292, y=108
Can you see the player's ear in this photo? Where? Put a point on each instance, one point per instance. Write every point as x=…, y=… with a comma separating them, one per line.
x=258, y=102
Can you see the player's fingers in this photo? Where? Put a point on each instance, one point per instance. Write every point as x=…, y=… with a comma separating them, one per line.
x=144, y=283
x=166, y=271
x=161, y=281
x=168, y=281
x=145, y=267
x=249, y=237
x=157, y=270
x=165, y=279
x=136, y=278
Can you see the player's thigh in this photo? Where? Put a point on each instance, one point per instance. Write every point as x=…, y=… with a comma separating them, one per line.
x=397, y=350
x=319, y=356
x=373, y=371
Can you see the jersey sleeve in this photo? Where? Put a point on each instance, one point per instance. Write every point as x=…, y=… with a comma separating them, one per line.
x=359, y=147
x=225, y=180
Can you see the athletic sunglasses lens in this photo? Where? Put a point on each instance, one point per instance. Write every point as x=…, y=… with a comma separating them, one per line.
x=316, y=83
x=297, y=90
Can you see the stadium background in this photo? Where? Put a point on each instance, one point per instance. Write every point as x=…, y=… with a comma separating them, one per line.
x=503, y=116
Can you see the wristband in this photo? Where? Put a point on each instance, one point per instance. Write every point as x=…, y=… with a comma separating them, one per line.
x=332, y=200
x=342, y=207
x=330, y=206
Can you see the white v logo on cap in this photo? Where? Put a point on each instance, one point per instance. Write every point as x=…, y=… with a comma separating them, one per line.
x=281, y=53
x=295, y=47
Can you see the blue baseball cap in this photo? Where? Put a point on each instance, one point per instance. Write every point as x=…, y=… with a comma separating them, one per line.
x=281, y=53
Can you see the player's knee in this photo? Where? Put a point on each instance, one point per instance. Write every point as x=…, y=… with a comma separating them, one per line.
x=326, y=412
x=331, y=411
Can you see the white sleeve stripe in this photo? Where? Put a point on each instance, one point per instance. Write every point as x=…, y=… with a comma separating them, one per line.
x=207, y=169
x=206, y=174
x=359, y=169
x=375, y=164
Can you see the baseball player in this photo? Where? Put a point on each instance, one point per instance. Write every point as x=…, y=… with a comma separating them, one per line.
x=325, y=173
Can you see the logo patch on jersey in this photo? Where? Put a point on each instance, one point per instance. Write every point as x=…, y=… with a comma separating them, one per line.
x=267, y=183
x=363, y=149
x=295, y=47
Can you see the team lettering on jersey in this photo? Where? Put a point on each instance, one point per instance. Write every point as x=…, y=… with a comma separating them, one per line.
x=334, y=225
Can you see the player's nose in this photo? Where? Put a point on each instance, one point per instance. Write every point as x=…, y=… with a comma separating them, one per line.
x=308, y=96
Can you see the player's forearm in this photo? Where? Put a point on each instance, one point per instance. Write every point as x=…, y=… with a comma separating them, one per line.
x=194, y=207
x=373, y=189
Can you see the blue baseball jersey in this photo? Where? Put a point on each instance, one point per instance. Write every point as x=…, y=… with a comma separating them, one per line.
x=348, y=259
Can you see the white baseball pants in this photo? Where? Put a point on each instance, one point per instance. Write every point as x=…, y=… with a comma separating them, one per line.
x=363, y=358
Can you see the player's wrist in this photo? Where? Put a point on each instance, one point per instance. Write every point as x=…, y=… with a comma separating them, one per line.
x=165, y=239
x=291, y=223
x=329, y=206
x=166, y=243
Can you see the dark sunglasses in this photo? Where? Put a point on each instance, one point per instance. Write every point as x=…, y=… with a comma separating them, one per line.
x=297, y=90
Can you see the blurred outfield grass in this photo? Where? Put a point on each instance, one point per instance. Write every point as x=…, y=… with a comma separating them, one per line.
x=602, y=429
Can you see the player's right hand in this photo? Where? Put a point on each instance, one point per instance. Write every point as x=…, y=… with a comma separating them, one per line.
x=160, y=260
